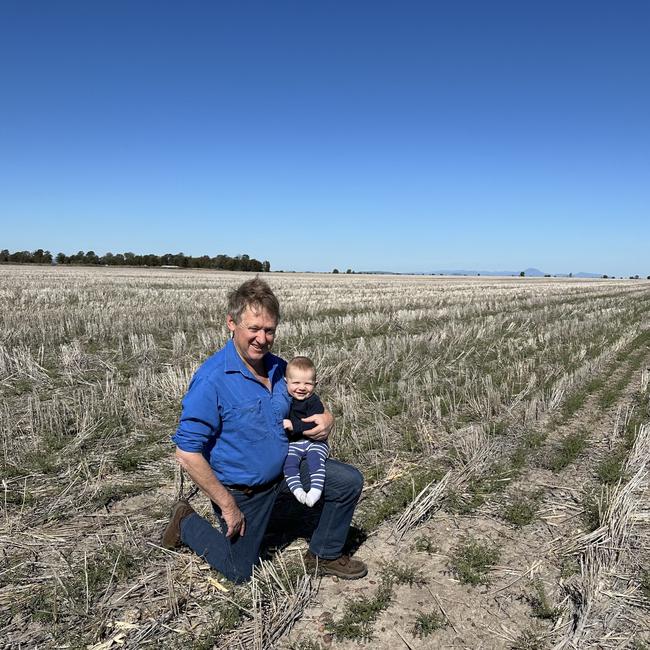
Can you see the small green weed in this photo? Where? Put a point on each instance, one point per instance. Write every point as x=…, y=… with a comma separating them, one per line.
x=361, y=613
x=534, y=439
x=92, y=575
x=424, y=545
x=637, y=644
x=128, y=460
x=519, y=458
x=530, y=639
x=132, y=457
x=572, y=404
x=496, y=479
x=306, y=644
x=521, y=509
x=426, y=623
x=639, y=416
x=402, y=574
x=472, y=560
x=400, y=493
x=110, y=493
x=21, y=386
x=571, y=446
x=41, y=461
x=540, y=603
x=18, y=497
x=609, y=395
x=499, y=428
x=393, y=407
x=43, y=605
x=610, y=470
x=569, y=567
x=374, y=474
x=462, y=504
x=645, y=583
x=591, y=510
x=230, y=614
x=411, y=441
x=595, y=384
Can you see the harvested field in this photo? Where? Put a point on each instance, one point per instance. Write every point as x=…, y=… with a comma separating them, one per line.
x=502, y=426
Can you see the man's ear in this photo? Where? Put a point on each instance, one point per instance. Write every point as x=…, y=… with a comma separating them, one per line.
x=230, y=322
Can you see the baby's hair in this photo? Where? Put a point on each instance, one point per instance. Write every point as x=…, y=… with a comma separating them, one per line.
x=301, y=363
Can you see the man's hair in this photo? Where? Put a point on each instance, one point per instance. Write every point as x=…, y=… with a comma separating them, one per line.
x=301, y=363
x=255, y=294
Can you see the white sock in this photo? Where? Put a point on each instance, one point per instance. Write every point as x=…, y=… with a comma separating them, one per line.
x=312, y=496
x=300, y=494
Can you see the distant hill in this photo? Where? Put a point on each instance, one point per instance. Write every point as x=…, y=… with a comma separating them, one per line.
x=529, y=272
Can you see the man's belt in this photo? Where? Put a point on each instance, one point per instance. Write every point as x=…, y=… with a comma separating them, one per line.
x=254, y=489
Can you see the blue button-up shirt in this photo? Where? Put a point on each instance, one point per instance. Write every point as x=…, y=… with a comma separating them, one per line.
x=234, y=420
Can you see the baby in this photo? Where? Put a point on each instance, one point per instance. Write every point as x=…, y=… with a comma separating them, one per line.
x=301, y=382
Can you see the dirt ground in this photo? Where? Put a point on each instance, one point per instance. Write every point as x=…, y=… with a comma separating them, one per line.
x=500, y=615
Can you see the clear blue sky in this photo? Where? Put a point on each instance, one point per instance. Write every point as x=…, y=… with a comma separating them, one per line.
x=406, y=136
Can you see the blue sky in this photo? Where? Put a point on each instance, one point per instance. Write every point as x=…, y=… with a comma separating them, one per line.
x=405, y=136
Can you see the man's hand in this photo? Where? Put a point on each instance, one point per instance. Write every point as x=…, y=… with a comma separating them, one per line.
x=324, y=423
x=235, y=520
x=287, y=424
x=201, y=473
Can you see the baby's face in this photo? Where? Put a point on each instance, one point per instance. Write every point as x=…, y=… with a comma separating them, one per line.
x=300, y=383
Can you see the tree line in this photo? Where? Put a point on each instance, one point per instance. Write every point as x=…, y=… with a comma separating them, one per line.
x=224, y=262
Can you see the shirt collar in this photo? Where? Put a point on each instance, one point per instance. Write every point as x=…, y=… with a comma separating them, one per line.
x=234, y=363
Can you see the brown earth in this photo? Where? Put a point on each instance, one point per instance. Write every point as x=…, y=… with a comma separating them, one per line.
x=494, y=616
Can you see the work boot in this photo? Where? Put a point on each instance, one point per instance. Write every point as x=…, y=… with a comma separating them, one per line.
x=343, y=567
x=171, y=537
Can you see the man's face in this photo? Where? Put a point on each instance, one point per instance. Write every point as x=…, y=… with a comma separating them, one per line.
x=253, y=335
x=300, y=383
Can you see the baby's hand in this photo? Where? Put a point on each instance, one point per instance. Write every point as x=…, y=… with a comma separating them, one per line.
x=287, y=425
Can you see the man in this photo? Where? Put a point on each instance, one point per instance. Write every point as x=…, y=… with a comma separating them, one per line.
x=231, y=441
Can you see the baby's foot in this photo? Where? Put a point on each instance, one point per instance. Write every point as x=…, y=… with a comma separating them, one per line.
x=300, y=494
x=312, y=496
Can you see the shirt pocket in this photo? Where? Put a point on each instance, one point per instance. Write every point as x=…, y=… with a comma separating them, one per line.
x=249, y=421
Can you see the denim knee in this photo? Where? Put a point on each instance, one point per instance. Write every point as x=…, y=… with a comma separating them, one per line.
x=356, y=481
x=346, y=480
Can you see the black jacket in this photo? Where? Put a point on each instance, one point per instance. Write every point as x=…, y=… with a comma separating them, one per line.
x=303, y=408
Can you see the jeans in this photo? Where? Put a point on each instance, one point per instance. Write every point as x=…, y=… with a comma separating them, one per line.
x=275, y=510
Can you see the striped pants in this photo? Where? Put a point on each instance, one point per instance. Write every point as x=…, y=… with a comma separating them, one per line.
x=315, y=453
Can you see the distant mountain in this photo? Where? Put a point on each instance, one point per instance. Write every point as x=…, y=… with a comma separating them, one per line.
x=584, y=274
x=529, y=272
x=470, y=272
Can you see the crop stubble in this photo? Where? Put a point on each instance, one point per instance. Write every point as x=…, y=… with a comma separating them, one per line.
x=427, y=376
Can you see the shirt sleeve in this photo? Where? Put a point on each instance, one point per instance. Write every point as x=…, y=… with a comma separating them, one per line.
x=200, y=422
